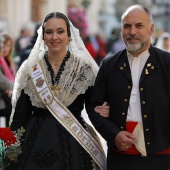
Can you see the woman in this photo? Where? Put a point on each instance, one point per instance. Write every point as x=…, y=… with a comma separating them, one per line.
x=5, y=84
x=163, y=42
x=7, y=62
x=6, y=87
x=51, y=87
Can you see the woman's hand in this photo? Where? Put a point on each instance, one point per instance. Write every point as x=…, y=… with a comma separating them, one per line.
x=103, y=110
x=9, y=93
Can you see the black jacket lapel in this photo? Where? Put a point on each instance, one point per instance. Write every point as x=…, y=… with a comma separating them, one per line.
x=150, y=66
x=124, y=68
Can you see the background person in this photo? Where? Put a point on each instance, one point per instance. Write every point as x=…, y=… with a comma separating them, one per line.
x=6, y=87
x=8, y=62
x=24, y=53
x=163, y=42
x=23, y=40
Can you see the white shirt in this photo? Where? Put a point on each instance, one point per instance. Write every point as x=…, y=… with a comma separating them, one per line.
x=136, y=66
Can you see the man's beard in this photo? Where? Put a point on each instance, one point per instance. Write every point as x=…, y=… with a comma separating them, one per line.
x=136, y=47
x=133, y=47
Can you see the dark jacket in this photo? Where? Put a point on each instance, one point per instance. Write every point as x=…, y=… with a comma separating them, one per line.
x=114, y=84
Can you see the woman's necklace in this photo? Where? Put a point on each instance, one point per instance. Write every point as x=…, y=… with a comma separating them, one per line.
x=56, y=62
x=55, y=79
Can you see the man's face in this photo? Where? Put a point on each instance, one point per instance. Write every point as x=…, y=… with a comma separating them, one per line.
x=136, y=30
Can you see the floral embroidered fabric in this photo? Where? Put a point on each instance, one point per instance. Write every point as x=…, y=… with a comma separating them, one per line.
x=69, y=90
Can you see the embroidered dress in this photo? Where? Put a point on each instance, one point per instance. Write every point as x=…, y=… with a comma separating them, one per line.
x=48, y=141
x=47, y=144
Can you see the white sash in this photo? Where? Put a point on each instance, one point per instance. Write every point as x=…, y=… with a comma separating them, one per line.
x=65, y=117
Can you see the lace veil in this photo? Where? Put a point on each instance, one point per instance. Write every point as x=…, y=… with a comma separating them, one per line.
x=79, y=74
x=160, y=40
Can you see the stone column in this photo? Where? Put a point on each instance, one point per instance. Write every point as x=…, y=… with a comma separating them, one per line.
x=48, y=6
x=18, y=13
x=93, y=16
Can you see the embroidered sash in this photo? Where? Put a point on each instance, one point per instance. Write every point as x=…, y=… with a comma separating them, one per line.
x=65, y=117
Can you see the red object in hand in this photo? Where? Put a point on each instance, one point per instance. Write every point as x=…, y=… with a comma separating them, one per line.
x=130, y=126
x=7, y=136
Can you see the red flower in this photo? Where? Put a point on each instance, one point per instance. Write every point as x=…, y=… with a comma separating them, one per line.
x=7, y=136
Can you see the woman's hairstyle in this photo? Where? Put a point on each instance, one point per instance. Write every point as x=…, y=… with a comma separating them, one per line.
x=57, y=15
x=9, y=57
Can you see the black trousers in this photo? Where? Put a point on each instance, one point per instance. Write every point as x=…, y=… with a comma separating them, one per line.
x=118, y=161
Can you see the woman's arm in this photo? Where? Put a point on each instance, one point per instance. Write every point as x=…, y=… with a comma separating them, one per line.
x=22, y=112
x=5, y=84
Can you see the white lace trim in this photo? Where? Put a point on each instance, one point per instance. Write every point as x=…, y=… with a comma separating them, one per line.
x=72, y=84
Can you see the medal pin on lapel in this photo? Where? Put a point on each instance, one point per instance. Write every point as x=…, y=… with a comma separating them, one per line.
x=146, y=71
x=149, y=65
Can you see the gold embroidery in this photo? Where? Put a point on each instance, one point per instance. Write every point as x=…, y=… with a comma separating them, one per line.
x=55, y=88
x=35, y=68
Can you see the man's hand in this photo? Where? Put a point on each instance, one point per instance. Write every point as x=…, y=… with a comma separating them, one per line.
x=124, y=140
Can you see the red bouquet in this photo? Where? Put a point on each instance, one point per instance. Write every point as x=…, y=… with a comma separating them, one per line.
x=10, y=146
x=7, y=136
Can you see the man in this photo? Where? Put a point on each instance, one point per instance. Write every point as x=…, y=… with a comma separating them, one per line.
x=136, y=84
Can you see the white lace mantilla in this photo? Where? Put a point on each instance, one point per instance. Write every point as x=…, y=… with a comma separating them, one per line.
x=79, y=72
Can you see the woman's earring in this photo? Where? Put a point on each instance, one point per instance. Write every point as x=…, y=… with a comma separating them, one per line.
x=45, y=46
x=68, y=45
x=70, y=39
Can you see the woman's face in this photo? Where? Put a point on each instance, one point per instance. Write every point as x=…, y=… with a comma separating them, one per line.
x=55, y=35
x=1, y=49
x=7, y=47
x=1, y=53
x=166, y=43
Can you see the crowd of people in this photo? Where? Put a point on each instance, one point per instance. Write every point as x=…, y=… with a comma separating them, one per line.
x=123, y=82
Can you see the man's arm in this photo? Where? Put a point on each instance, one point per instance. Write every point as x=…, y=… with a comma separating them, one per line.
x=99, y=95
